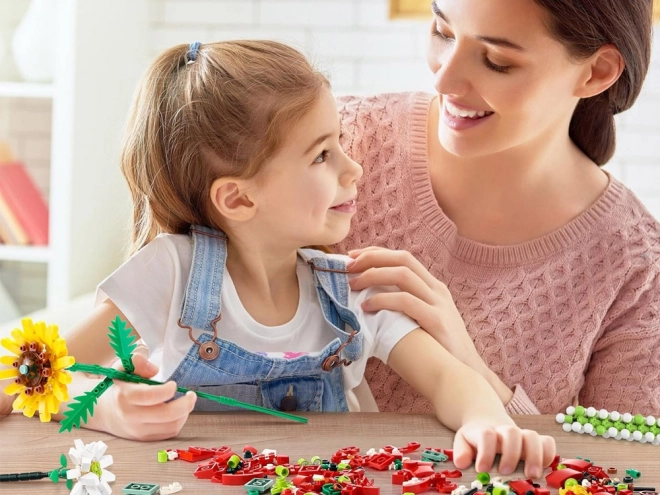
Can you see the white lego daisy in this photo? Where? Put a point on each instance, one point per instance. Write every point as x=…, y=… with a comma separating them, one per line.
x=90, y=472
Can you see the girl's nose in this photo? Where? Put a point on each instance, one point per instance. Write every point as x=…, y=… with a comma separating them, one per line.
x=351, y=173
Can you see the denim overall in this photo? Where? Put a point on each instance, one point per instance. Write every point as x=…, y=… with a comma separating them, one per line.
x=305, y=383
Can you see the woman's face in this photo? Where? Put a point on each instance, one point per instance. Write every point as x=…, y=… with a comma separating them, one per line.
x=503, y=82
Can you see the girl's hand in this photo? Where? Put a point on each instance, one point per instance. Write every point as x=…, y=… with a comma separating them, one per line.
x=422, y=297
x=6, y=402
x=139, y=412
x=513, y=443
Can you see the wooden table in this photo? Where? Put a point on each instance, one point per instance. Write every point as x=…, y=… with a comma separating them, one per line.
x=28, y=445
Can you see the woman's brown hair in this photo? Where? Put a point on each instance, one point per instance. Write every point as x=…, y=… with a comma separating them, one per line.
x=584, y=26
x=223, y=114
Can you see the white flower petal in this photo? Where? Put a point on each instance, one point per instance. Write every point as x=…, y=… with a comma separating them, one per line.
x=93, y=490
x=73, y=474
x=75, y=457
x=104, y=488
x=85, y=464
x=90, y=479
x=80, y=446
x=105, y=461
x=100, y=449
x=78, y=489
x=107, y=476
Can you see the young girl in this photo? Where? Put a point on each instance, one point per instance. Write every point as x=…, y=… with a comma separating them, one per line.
x=233, y=160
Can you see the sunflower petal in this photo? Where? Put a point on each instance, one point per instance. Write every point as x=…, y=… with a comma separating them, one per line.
x=8, y=360
x=9, y=373
x=11, y=345
x=13, y=388
x=63, y=362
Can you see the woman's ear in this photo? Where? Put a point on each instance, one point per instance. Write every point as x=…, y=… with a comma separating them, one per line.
x=603, y=69
x=232, y=199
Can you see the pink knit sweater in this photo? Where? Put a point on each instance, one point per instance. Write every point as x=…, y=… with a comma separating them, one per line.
x=573, y=315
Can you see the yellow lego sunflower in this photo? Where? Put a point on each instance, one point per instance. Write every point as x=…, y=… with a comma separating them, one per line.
x=38, y=367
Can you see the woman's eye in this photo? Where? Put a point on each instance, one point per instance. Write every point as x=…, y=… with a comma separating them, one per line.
x=436, y=32
x=322, y=157
x=495, y=67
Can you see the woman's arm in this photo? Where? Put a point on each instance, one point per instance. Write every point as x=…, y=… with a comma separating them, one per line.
x=465, y=402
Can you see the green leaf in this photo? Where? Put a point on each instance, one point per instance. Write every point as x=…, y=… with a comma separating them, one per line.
x=121, y=341
x=69, y=485
x=54, y=476
x=82, y=406
x=63, y=460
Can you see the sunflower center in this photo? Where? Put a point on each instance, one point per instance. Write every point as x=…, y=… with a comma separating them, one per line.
x=33, y=367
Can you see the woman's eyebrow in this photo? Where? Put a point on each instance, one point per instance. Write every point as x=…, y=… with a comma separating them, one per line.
x=491, y=40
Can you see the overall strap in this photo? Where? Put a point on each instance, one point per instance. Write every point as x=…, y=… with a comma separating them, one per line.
x=201, y=303
x=333, y=291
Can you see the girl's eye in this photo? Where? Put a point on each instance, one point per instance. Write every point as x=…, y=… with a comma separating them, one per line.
x=322, y=157
x=504, y=69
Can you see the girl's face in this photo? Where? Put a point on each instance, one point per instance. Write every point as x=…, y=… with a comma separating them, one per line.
x=307, y=195
x=503, y=81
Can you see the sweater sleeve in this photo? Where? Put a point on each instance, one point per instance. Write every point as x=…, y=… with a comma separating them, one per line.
x=520, y=403
x=624, y=371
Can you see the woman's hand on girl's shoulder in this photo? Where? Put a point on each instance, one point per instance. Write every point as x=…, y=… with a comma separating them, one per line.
x=482, y=440
x=141, y=412
x=421, y=296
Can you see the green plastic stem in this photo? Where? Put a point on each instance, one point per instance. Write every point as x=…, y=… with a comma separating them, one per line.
x=95, y=369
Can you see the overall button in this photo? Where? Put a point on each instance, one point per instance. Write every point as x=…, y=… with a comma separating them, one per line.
x=290, y=402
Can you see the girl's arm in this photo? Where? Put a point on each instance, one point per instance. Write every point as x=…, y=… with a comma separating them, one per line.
x=127, y=410
x=465, y=402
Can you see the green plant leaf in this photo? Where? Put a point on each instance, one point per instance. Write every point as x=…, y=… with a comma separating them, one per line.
x=63, y=460
x=82, y=406
x=54, y=476
x=69, y=485
x=122, y=341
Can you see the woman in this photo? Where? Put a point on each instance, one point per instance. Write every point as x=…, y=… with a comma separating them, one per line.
x=535, y=267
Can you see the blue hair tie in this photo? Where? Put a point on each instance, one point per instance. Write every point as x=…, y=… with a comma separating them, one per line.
x=191, y=56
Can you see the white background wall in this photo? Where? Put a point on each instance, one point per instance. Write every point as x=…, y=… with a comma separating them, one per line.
x=351, y=40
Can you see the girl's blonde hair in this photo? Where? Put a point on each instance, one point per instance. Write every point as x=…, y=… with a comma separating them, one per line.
x=192, y=122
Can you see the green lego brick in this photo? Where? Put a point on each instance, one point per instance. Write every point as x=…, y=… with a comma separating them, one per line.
x=140, y=489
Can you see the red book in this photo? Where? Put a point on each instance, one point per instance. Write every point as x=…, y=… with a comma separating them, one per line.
x=25, y=201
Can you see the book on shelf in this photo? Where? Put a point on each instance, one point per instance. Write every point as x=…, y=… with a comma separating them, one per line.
x=24, y=200
x=11, y=231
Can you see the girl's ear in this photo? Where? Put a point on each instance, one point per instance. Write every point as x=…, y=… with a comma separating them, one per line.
x=603, y=69
x=232, y=199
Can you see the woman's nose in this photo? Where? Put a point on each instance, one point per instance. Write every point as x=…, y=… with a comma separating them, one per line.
x=451, y=76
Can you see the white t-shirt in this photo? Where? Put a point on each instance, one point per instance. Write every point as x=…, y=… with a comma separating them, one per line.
x=149, y=289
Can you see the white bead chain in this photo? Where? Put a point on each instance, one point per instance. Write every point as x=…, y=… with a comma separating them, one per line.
x=611, y=424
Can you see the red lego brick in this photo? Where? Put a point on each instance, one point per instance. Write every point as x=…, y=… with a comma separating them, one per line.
x=556, y=479
x=381, y=462
x=577, y=464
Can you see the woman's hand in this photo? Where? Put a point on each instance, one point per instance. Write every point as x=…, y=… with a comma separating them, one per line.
x=513, y=443
x=423, y=298
x=140, y=412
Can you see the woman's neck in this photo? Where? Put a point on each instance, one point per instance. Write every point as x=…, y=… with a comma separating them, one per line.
x=514, y=196
x=266, y=282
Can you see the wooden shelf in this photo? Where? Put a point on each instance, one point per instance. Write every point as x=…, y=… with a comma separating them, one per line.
x=34, y=254
x=26, y=90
